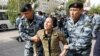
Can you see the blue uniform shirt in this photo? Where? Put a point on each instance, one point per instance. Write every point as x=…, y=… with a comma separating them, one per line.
x=28, y=30
x=96, y=25
x=78, y=34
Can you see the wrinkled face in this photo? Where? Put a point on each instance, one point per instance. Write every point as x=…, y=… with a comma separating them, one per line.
x=28, y=14
x=48, y=24
x=75, y=12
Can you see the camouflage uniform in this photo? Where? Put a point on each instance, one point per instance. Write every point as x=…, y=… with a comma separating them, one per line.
x=96, y=26
x=79, y=36
x=28, y=30
x=52, y=48
x=96, y=33
x=17, y=21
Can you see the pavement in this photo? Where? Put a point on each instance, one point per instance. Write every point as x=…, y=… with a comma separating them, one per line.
x=8, y=44
x=8, y=35
x=10, y=47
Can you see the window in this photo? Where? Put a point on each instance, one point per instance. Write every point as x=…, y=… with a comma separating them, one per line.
x=3, y=16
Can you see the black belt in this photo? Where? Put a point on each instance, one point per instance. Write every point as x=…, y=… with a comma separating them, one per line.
x=49, y=41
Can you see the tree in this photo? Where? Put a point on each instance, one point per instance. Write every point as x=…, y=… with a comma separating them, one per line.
x=51, y=7
x=67, y=5
x=36, y=4
x=82, y=1
x=14, y=8
x=94, y=9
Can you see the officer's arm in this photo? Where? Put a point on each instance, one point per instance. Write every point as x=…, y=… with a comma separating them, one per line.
x=36, y=38
x=23, y=33
x=65, y=31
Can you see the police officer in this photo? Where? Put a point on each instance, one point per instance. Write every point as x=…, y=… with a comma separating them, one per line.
x=78, y=30
x=95, y=22
x=18, y=20
x=96, y=34
x=28, y=27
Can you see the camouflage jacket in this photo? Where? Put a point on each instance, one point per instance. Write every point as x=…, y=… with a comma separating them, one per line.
x=28, y=30
x=78, y=34
x=96, y=25
x=52, y=48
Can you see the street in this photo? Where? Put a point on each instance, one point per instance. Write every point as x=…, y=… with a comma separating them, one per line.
x=10, y=47
x=8, y=44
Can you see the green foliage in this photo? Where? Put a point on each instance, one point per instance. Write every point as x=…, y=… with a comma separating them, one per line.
x=82, y=1
x=35, y=6
x=95, y=9
x=34, y=0
x=14, y=8
x=67, y=5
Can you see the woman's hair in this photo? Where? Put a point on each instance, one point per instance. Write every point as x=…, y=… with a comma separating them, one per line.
x=54, y=19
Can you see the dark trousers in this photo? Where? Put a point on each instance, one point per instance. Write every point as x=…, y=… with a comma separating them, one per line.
x=97, y=46
x=30, y=51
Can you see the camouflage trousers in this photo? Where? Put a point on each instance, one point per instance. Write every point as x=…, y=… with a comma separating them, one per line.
x=30, y=52
x=82, y=53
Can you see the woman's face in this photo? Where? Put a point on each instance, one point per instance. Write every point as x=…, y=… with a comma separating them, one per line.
x=48, y=24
